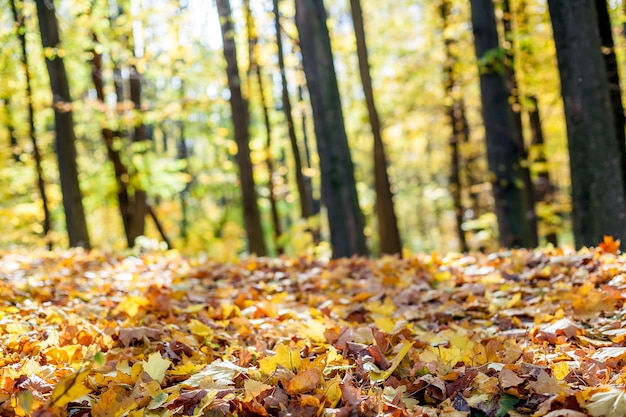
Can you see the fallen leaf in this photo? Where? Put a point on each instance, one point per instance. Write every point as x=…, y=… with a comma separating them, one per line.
x=70, y=388
x=304, y=381
x=610, y=402
x=156, y=366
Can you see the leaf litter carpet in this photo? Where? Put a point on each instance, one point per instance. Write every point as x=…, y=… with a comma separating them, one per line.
x=512, y=333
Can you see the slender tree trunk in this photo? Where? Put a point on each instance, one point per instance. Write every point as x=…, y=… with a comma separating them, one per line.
x=455, y=112
x=615, y=92
x=240, y=116
x=595, y=158
x=183, y=155
x=303, y=192
x=119, y=169
x=65, y=137
x=504, y=155
x=13, y=144
x=18, y=16
x=255, y=70
x=338, y=184
x=137, y=220
x=543, y=187
x=516, y=106
x=385, y=212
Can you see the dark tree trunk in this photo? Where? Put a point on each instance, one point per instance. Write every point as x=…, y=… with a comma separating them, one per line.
x=127, y=205
x=65, y=136
x=120, y=170
x=301, y=183
x=183, y=155
x=239, y=106
x=455, y=113
x=338, y=184
x=255, y=70
x=13, y=143
x=137, y=219
x=18, y=16
x=385, y=213
x=610, y=62
x=543, y=186
x=595, y=158
x=504, y=155
x=516, y=106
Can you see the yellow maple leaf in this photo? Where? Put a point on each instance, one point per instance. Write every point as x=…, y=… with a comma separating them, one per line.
x=560, y=370
x=70, y=388
x=386, y=308
x=332, y=390
x=187, y=368
x=156, y=366
x=199, y=329
x=284, y=356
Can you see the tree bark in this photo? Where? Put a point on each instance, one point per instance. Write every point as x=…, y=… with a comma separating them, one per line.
x=239, y=107
x=455, y=113
x=65, y=136
x=255, y=69
x=338, y=184
x=13, y=144
x=504, y=155
x=385, y=213
x=615, y=92
x=597, y=182
x=516, y=107
x=301, y=181
x=543, y=186
x=137, y=217
x=18, y=16
x=119, y=169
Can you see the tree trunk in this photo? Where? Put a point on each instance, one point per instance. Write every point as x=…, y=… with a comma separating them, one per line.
x=610, y=62
x=504, y=155
x=543, y=187
x=13, y=144
x=455, y=112
x=65, y=136
x=239, y=107
x=338, y=184
x=516, y=106
x=385, y=213
x=255, y=69
x=18, y=16
x=301, y=181
x=119, y=169
x=137, y=219
x=595, y=157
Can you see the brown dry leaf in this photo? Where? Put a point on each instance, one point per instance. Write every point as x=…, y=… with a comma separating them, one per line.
x=508, y=378
x=136, y=334
x=304, y=381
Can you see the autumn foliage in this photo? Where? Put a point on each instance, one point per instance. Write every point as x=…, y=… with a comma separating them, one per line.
x=515, y=332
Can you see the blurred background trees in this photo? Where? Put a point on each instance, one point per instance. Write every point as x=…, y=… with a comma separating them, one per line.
x=186, y=116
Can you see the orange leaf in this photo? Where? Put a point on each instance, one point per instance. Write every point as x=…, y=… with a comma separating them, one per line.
x=305, y=381
x=610, y=245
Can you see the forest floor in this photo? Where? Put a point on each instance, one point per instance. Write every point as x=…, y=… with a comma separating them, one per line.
x=510, y=333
